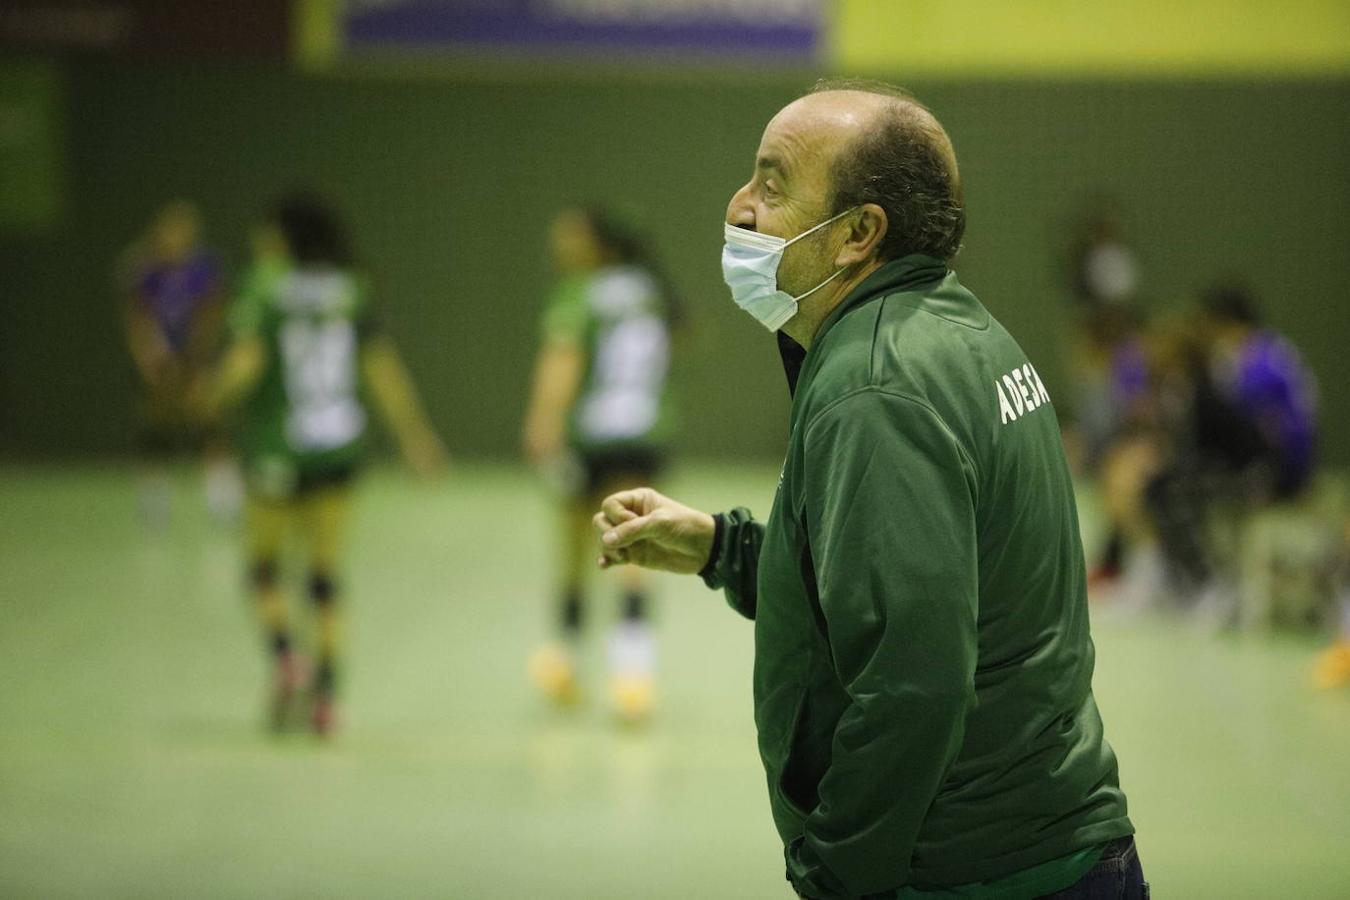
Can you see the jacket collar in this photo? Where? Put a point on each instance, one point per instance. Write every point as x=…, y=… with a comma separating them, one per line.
x=903, y=274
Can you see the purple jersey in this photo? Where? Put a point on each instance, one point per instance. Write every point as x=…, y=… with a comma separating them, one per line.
x=1269, y=383
x=172, y=293
x=1129, y=377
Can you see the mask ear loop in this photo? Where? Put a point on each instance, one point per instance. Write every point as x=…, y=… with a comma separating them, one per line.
x=837, y=272
x=814, y=228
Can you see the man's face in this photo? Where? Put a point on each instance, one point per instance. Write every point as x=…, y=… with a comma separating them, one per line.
x=790, y=190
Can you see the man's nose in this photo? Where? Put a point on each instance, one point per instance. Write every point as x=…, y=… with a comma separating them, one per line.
x=740, y=211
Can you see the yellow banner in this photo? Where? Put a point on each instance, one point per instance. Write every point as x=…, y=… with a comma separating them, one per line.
x=1073, y=38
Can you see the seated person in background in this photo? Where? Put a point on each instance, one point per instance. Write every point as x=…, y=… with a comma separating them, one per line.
x=1262, y=418
x=1111, y=367
x=1114, y=417
x=1246, y=436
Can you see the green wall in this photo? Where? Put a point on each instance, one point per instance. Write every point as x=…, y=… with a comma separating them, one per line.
x=451, y=179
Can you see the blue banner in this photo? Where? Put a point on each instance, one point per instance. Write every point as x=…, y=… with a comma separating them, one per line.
x=787, y=29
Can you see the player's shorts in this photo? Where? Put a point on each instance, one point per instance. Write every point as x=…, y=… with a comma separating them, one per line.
x=279, y=481
x=157, y=440
x=599, y=468
x=168, y=425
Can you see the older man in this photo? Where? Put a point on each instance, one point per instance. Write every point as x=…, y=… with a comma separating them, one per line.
x=922, y=659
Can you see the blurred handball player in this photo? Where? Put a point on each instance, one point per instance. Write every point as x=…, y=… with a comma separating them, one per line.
x=598, y=419
x=305, y=353
x=172, y=313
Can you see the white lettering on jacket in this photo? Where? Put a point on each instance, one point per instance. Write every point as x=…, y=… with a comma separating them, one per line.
x=1026, y=390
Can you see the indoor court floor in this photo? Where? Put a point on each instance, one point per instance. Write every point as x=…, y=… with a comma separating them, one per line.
x=133, y=762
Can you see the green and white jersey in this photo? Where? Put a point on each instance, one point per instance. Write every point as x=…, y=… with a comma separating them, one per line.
x=306, y=416
x=618, y=316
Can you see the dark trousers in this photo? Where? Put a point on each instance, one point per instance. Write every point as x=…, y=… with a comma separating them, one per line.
x=1116, y=876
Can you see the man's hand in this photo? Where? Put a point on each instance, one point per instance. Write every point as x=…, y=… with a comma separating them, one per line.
x=646, y=529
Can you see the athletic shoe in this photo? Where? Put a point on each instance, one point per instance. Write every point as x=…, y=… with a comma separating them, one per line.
x=553, y=670
x=323, y=716
x=1215, y=605
x=1333, y=666
x=634, y=698
x=632, y=665
x=1140, y=585
x=224, y=488
x=1102, y=577
x=286, y=680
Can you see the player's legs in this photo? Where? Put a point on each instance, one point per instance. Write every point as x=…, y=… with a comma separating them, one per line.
x=222, y=481
x=324, y=513
x=631, y=646
x=1180, y=500
x=632, y=643
x=266, y=526
x=1131, y=573
x=578, y=554
x=1333, y=666
x=554, y=666
x=159, y=442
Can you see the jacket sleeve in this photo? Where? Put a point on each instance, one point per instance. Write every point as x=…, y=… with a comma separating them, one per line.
x=734, y=563
x=890, y=510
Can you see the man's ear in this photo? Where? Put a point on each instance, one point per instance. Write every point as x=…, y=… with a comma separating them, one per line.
x=864, y=236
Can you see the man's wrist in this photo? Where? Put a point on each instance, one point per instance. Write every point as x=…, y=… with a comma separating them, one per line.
x=715, y=551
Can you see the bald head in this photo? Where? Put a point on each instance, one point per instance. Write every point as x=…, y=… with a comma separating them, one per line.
x=812, y=131
x=841, y=113
x=889, y=150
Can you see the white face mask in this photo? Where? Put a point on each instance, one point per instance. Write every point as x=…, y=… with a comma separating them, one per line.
x=750, y=268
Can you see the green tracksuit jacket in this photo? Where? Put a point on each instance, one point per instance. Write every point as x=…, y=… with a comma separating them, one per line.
x=923, y=666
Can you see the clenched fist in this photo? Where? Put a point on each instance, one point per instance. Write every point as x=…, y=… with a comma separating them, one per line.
x=644, y=528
